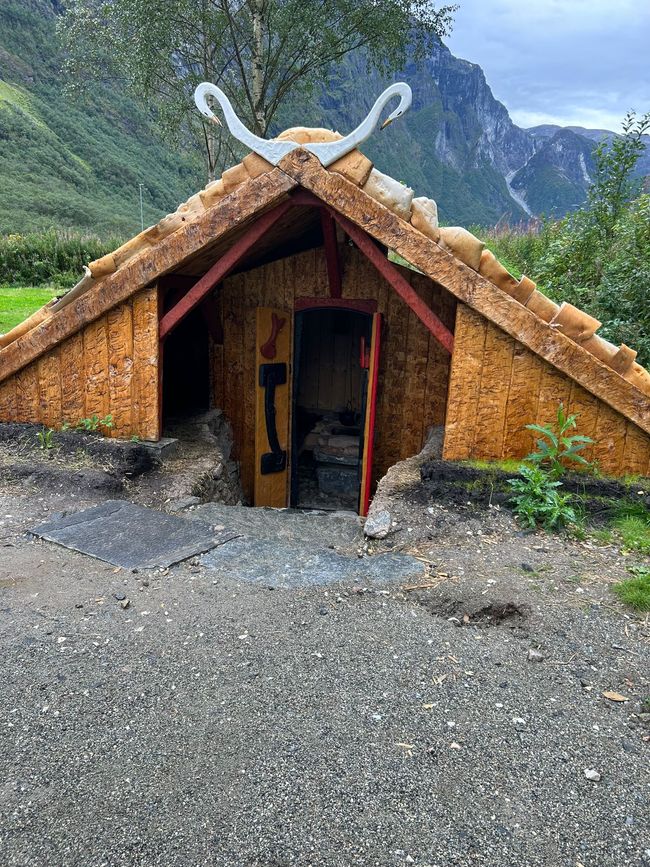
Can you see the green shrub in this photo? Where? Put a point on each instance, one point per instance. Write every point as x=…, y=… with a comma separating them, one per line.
x=556, y=449
x=51, y=257
x=537, y=501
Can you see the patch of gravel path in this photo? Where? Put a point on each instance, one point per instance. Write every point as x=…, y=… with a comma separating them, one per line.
x=213, y=722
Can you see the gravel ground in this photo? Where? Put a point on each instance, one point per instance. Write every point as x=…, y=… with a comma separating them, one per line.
x=215, y=722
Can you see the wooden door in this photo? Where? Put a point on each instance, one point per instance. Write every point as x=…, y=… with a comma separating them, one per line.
x=272, y=407
x=369, y=421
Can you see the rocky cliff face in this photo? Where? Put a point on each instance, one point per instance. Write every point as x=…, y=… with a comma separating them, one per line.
x=459, y=144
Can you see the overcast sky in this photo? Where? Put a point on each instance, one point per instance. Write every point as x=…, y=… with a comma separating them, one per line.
x=570, y=62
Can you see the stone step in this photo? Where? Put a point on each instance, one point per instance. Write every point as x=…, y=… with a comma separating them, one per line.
x=340, y=531
x=283, y=565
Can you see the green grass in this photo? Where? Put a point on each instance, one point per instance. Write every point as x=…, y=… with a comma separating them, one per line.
x=18, y=302
x=634, y=532
x=635, y=591
x=509, y=465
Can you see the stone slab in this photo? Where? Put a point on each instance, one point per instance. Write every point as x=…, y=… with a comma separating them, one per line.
x=131, y=536
x=314, y=528
x=280, y=565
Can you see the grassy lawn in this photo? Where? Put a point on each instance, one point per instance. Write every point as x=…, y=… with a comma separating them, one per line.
x=17, y=302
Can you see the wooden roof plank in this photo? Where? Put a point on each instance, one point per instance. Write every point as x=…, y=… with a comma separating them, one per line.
x=468, y=286
x=239, y=206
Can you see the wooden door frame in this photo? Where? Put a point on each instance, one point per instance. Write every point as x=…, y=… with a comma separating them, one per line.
x=369, y=307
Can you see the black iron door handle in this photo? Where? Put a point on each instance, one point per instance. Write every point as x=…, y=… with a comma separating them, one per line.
x=272, y=375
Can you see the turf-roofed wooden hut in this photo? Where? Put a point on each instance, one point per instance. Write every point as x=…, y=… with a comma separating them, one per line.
x=271, y=295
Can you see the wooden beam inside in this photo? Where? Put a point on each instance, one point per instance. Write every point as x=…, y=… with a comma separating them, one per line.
x=399, y=283
x=221, y=268
x=332, y=257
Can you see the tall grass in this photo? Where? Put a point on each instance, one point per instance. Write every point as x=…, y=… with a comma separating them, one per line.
x=54, y=257
x=518, y=247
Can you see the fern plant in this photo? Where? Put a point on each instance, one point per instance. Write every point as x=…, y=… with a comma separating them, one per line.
x=555, y=448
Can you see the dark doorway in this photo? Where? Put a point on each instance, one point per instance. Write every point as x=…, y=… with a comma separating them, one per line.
x=329, y=397
x=186, y=368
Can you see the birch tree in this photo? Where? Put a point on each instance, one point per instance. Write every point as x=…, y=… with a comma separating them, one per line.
x=260, y=52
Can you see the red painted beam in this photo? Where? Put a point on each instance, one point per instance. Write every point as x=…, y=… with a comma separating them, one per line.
x=361, y=305
x=332, y=258
x=222, y=267
x=403, y=288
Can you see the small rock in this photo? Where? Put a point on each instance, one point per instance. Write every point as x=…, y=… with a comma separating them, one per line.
x=182, y=503
x=378, y=525
x=527, y=567
x=119, y=596
x=124, y=603
x=535, y=655
x=592, y=775
x=79, y=605
x=145, y=583
x=322, y=610
x=518, y=721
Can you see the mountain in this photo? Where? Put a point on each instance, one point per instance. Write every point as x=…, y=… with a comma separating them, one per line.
x=78, y=161
x=75, y=162
x=557, y=176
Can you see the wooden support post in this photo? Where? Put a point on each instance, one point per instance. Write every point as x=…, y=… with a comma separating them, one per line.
x=222, y=268
x=403, y=288
x=332, y=257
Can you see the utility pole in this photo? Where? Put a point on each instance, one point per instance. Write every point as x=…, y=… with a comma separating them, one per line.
x=141, y=211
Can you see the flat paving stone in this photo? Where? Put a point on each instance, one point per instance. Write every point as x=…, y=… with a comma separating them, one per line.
x=319, y=529
x=131, y=536
x=282, y=565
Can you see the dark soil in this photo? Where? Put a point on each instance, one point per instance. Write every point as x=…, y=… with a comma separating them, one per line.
x=460, y=484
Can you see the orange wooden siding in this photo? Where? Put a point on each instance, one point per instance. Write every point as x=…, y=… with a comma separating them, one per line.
x=498, y=387
x=110, y=367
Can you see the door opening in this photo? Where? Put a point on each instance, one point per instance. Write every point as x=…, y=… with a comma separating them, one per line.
x=330, y=394
x=186, y=369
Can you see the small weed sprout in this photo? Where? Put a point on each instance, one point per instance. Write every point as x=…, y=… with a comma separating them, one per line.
x=45, y=439
x=94, y=423
x=555, y=448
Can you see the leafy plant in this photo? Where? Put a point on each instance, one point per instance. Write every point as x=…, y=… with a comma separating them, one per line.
x=94, y=423
x=45, y=439
x=556, y=448
x=635, y=591
x=537, y=501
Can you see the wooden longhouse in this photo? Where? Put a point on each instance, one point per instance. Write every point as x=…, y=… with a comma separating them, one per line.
x=271, y=295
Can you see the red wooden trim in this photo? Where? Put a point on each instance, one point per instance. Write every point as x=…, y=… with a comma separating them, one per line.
x=332, y=258
x=222, y=267
x=161, y=364
x=362, y=305
x=301, y=196
x=369, y=433
x=403, y=288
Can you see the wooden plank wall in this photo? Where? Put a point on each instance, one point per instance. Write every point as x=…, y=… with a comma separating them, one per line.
x=109, y=367
x=414, y=368
x=498, y=386
x=330, y=373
